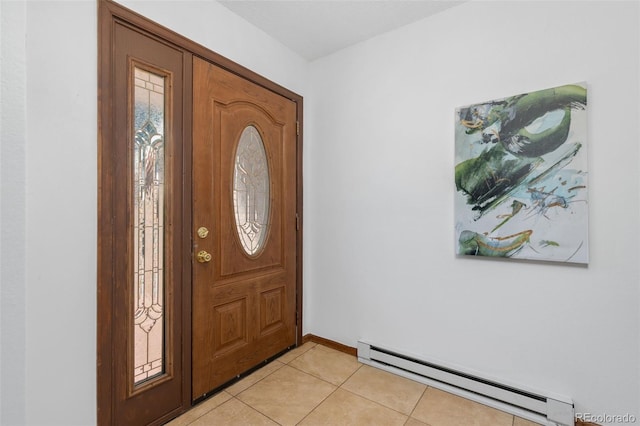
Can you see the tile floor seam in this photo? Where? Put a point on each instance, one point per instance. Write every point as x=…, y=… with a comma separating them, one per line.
x=375, y=402
x=318, y=404
x=322, y=378
x=470, y=404
x=253, y=408
x=297, y=356
x=409, y=414
x=193, y=407
x=351, y=375
x=258, y=381
x=313, y=375
x=335, y=387
x=413, y=418
x=418, y=401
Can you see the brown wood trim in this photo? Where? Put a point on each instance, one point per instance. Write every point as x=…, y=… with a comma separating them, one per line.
x=105, y=224
x=299, y=238
x=330, y=344
x=187, y=222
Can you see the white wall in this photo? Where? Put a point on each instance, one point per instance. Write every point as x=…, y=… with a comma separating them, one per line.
x=379, y=200
x=12, y=211
x=49, y=190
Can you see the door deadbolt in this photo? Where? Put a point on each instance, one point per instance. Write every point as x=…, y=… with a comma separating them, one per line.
x=203, y=232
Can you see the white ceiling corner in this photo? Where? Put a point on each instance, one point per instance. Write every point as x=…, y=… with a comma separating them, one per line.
x=316, y=28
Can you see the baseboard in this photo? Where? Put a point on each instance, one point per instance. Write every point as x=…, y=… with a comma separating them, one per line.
x=330, y=344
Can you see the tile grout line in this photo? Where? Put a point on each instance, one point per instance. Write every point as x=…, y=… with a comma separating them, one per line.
x=257, y=381
x=288, y=364
x=277, y=369
x=247, y=388
x=193, y=408
x=340, y=386
x=409, y=416
x=418, y=402
x=377, y=403
x=256, y=410
x=317, y=405
x=332, y=392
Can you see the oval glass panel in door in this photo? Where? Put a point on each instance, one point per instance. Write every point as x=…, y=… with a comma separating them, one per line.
x=251, y=191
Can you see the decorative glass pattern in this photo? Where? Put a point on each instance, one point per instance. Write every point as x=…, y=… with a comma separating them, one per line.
x=148, y=219
x=251, y=191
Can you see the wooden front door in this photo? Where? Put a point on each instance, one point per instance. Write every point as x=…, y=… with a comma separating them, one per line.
x=244, y=226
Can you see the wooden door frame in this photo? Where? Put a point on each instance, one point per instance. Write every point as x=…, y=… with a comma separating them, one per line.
x=110, y=13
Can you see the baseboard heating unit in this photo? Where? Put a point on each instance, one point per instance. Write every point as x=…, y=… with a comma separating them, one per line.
x=540, y=407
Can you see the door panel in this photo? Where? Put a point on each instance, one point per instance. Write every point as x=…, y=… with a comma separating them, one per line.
x=233, y=119
x=147, y=267
x=243, y=304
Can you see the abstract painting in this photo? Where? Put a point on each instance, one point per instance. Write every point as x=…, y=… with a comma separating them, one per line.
x=521, y=176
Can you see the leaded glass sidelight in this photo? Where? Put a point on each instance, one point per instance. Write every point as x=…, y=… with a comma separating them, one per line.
x=251, y=191
x=148, y=220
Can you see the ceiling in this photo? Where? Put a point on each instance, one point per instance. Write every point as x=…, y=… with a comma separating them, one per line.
x=316, y=28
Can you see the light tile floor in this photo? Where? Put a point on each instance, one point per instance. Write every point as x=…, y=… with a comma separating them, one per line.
x=316, y=385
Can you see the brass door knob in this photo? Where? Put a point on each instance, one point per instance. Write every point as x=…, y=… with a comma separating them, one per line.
x=203, y=256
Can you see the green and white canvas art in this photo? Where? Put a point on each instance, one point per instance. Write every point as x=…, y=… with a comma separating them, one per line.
x=521, y=176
